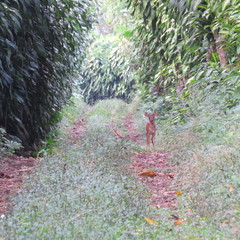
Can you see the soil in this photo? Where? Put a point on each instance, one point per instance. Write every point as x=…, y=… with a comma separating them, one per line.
x=77, y=131
x=14, y=169
x=12, y=173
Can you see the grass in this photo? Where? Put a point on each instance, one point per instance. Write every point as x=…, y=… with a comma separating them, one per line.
x=80, y=191
x=207, y=151
x=85, y=191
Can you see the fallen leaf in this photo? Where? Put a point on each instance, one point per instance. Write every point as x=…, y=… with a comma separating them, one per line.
x=166, y=204
x=167, y=193
x=118, y=133
x=171, y=174
x=175, y=217
x=158, y=206
x=149, y=220
x=179, y=222
x=179, y=193
x=147, y=174
x=230, y=188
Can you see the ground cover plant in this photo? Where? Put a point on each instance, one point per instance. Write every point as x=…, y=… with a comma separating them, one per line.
x=41, y=44
x=206, y=150
x=83, y=189
x=179, y=58
x=80, y=191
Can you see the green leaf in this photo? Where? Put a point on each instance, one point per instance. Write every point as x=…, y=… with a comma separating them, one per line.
x=238, y=49
x=224, y=4
x=128, y=34
x=237, y=93
x=195, y=4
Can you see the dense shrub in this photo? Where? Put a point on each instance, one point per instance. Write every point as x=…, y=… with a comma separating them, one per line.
x=40, y=42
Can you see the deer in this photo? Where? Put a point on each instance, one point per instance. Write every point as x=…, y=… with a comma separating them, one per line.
x=151, y=130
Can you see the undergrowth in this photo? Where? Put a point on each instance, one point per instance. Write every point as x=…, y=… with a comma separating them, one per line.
x=8, y=146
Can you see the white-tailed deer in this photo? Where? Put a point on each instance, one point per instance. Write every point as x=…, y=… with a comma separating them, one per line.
x=151, y=130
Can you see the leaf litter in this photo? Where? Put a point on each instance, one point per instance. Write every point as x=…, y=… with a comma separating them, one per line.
x=151, y=168
x=12, y=173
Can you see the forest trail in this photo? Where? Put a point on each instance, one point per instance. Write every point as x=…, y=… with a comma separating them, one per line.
x=150, y=168
x=98, y=182
x=87, y=186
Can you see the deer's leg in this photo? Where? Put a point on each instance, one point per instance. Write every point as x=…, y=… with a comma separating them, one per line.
x=148, y=142
x=154, y=141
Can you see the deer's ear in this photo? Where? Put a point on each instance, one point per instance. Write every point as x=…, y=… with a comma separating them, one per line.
x=155, y=113
x=146, y=114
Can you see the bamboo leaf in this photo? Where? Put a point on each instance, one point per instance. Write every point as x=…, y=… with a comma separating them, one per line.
x=195, y=4
x=224, y=4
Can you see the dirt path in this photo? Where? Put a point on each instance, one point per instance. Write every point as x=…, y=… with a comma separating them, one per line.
x=77, y=131
x=14, y=169
x=152, y=169
x=12, y=173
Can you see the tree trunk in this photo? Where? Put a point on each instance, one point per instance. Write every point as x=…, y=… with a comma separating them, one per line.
x=212, y=49
x=221, y=49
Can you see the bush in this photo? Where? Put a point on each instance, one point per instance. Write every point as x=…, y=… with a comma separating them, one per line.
x=40, y=42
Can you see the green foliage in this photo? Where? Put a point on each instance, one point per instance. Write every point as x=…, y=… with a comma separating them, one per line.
x=40, y=42
x=113, y=109
x=107, y=70
x=176, y=48
x=116, y=17
x=215, y=89
x=8, y=145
